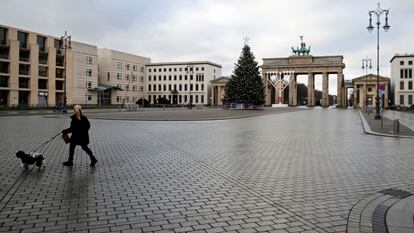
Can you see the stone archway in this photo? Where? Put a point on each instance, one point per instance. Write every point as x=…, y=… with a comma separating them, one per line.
x=307, y=65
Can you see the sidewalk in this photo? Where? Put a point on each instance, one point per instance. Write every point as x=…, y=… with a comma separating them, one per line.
x=384, y=127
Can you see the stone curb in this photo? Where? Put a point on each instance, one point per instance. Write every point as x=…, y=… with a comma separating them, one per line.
x=367, y=129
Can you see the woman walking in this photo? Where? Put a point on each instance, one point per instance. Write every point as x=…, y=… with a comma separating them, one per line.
x=79, y=128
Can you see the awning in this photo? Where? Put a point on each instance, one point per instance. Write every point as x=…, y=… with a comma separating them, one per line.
x=103, y=87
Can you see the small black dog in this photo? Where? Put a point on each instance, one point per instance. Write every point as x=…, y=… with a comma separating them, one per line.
x=29, y=159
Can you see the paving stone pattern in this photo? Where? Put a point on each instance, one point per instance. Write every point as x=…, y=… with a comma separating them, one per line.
x=289, y=172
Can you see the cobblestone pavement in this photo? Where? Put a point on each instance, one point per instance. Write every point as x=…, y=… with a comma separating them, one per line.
x=291, y=172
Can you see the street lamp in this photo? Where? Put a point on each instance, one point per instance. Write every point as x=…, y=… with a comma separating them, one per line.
x=366, y=64
x=190, y=71
x=378, y=12
x=65, y=43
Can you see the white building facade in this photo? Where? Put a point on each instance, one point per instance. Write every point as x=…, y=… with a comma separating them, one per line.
x=181, y=82
x=402, y=79
x=121, y=77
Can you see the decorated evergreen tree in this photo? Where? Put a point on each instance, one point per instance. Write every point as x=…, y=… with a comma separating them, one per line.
x=246, y=85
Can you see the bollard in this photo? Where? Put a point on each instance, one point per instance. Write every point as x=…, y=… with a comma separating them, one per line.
x=396, y=124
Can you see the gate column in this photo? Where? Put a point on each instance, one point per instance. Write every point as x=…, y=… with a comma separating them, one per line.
x=325, y=90
x=311, y=90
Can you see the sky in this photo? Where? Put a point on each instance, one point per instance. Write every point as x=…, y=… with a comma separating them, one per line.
x=213, y=30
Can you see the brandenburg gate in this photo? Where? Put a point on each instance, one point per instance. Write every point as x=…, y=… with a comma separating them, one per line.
x=301, y=63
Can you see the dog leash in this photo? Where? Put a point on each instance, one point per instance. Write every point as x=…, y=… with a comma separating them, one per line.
x=47, y=142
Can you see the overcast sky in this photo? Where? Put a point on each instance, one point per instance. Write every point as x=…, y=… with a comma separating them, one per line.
x=182, y=30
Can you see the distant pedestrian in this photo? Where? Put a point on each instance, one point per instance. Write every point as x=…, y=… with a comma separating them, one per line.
x=79, y=128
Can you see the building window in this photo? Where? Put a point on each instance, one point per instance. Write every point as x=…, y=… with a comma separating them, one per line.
x=88, y=84
x=169, y=78
x=89, y=72
x=127, y=77
x=4, y=81
x=401, y=73
x=134, y=88
x=402, y=99
x=181, y=69
x=159, y=69
x=410, y=62
x=165, y=77
x=180, y=77
x=3, y=33
x=410, y=99
x=175, y=69
x=149, y=70
x=109, y=76
x=118, y=99
x=410, y=85
x=410, y=73
x=185, y=87
x=22, y=38
x=165, y=87
x=134, y=67
x=126, y=87
x=155, y=87
x=24, y=83
x=180, y=87
x=196, y=99
x=401, y=63
x=169, y=87
x=42, y=83
x=196, y=87
x=118, y=76
x=119, y=65
x=41, y=41
x=149, y=87
x=202, y=87
x=202, y=68
x=165, y=69
x=149, y=77
x=89, y=97
x=43, y=71
x=159, y=87
x=202, y=99
x=169, y=69
x=142, y=88
x=119, y=86
x=402, y=85
x=126, y=66
x=89, y=60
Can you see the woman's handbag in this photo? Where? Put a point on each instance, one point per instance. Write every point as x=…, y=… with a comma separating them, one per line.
x=66, y=138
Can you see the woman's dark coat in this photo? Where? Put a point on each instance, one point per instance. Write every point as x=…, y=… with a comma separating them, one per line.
x=79, y=130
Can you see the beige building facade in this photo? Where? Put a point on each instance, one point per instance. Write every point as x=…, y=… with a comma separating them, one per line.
x=402, y=79
x=32, y=70
x=181, y=82
x=121, y=77
x=365, y=90
x=218, y=86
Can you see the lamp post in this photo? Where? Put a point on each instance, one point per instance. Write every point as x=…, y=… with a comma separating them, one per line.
x=378, y=12
x=366, y=64
x=65, y=44
x=190, y=71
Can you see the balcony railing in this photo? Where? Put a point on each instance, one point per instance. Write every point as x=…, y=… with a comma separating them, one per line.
x=24, y=55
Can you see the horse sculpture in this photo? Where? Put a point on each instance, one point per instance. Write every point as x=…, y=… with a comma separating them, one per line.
x=302, y=50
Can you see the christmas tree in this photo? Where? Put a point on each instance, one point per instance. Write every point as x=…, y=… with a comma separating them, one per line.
x=245, y=85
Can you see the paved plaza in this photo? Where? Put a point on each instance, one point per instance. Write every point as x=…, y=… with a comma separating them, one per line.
x=287, y=171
